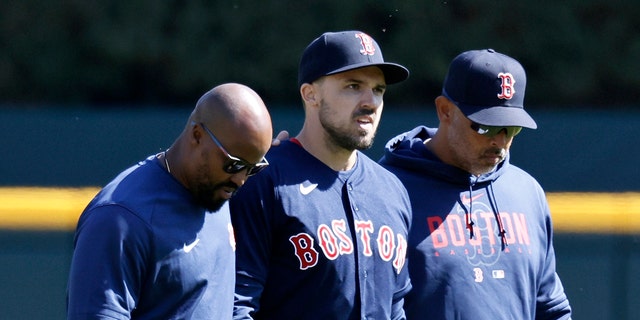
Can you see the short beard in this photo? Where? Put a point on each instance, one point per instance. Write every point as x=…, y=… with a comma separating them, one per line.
x=342, y=138
x=203, y=191
x=202, y=196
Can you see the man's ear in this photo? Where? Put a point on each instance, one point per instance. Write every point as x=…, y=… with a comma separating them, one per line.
x=196, y=132
x=444, y=108
x=309, y=94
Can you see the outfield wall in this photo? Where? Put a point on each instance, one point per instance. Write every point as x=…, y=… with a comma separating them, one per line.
x=599, y=266
x=599, y=272
x=54, y=161
x=572, y=150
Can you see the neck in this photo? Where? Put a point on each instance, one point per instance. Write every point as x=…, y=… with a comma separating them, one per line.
x=334, y=157
x=438, y=147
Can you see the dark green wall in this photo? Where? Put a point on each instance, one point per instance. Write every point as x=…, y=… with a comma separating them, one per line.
x=581, y=150
x=599, y=274
x=572, y=150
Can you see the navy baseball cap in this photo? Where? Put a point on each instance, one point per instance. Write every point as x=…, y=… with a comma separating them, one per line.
x=335, y=52
x=488, y=87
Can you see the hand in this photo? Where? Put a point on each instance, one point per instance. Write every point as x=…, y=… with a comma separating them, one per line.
x=282, y=136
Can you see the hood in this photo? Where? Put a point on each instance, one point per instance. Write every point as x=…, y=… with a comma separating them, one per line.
x=408, y=154
x=407, y=151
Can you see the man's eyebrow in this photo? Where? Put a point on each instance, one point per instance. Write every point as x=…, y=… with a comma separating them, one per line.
x=359, y=81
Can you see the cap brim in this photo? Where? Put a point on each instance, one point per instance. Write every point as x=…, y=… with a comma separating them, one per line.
x=393, y=72
x=499, y=116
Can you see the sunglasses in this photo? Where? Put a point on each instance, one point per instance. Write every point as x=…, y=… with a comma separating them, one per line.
x=491, y=131
x=233, y=165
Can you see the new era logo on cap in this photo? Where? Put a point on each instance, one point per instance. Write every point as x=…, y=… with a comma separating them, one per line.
x=488, y=87
x=335, y=52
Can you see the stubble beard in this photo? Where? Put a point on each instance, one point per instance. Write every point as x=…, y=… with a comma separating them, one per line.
x=469, y=159
x=343, y=137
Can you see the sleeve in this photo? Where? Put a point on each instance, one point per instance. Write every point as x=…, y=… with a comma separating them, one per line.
x=404, y=281
x=398, y=310
x=251, y=209
x=551, y=300
x=404, y=286
x=107, y=266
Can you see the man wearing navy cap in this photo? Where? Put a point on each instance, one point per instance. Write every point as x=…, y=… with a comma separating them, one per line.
x=322, y=232
x=480, y=245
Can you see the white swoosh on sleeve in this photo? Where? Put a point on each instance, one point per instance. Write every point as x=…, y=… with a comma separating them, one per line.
x=306, y=190
x=189, y=247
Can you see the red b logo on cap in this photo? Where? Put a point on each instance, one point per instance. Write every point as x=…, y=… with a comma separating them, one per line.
x=507, y=86
x=367, y=44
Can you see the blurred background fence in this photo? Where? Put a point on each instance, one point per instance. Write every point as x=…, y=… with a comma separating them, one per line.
x=88, y=88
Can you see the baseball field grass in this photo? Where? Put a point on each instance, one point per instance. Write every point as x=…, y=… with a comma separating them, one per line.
x=35, y=208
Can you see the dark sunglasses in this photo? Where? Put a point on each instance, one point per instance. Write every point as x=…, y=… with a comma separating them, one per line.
x=233, y=165
x=491, y=131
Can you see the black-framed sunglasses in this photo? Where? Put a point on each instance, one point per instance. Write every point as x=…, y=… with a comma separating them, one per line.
x=491, y=131
x=233, y=165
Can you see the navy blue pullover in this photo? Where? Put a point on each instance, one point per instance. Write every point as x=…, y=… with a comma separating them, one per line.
x=480, y=247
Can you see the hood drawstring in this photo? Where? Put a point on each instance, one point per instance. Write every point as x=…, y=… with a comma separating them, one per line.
x=467, y=214
x=496, y=213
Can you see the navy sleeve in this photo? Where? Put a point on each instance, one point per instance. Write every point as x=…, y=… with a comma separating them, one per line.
x=251, y=209
x=404, y=281
x=551, y=300
x=107, y=264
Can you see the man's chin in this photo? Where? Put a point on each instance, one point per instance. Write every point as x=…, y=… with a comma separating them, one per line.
x=213, y=198
x=364, y=144
x=211, y=204
x=214, y=205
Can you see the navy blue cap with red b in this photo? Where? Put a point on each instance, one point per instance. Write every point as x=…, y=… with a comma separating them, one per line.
x=488, y=87
x=335, y=52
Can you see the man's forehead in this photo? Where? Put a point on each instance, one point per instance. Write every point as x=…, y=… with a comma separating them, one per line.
x=367, y=74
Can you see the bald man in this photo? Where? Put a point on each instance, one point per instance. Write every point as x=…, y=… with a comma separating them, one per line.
x=157, y=242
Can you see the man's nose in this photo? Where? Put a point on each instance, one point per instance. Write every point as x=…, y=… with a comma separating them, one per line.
x=501, y=138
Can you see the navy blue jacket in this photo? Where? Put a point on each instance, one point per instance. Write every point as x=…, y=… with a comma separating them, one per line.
x=462, y=265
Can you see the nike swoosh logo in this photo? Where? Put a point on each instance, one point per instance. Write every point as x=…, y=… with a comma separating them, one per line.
x=465, y=199
x=306, y=190
x=188, y=247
